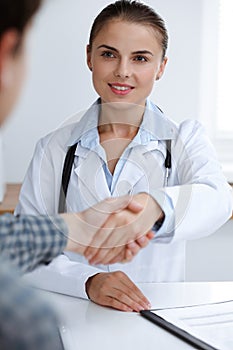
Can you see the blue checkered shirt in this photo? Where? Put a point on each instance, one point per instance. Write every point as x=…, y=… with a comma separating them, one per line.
x=26, y=322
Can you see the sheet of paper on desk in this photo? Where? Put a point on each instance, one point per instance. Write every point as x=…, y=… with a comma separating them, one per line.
x=212, y=323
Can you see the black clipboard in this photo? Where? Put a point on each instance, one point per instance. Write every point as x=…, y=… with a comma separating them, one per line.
x=178, y=332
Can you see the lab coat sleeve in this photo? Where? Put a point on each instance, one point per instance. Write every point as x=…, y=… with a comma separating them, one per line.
x=31, y=198
x=41, y=186
x=62, y=276
x=201, y=200
x=162, y=230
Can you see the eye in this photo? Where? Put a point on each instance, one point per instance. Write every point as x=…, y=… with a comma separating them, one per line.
x=140, y=58
x=107, y=54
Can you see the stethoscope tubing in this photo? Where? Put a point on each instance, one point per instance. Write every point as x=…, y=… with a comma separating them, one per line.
x=68, y=164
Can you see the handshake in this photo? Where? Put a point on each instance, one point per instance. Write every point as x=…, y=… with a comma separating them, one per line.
x=113, y=230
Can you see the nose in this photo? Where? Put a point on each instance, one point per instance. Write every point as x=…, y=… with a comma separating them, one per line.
x=122, y=69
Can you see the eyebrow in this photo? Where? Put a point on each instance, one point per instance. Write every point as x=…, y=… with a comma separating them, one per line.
x=140, y=52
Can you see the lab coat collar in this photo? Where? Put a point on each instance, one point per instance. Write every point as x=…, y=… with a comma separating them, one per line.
x=88, y=122
x=155, y=125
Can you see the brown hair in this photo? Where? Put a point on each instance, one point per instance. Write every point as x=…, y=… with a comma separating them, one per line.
x=15, y=14
x=134, y=12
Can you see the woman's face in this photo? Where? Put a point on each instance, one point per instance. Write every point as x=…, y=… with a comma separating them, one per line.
x=125, y=59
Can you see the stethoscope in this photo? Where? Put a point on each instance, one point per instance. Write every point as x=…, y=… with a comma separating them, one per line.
x=168, y=162
x=68, y=163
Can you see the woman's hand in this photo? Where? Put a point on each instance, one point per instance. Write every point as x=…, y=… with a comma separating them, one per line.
x=116, y=290
x=128, y=252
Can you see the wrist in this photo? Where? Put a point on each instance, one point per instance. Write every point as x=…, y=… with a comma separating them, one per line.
x=88, y=285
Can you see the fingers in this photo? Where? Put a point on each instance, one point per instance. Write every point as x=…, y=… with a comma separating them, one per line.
x=114, y=255
x=111, y=236
x=119, y=229
x=144, y=240
x=116, y=231
x=150, y=235
x=104, y=256
x=112, y=246
x=99, y=239
x=134, y=206
x=122, y=257
x=125, y=256
x=119, y=254
x=135, y=246
x=103, y=232
x=132, y=249
x=116, y=290
x=92, y=219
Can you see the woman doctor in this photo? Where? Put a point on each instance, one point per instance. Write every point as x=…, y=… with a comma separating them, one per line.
x=123, y=145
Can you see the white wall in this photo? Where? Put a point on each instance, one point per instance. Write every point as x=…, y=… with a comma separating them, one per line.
x=59, y=83
x=211, y=258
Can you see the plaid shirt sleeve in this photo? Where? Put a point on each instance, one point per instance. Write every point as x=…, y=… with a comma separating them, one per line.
x=26, y=322
x=30, y=240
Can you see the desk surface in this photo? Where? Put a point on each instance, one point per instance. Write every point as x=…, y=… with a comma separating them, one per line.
x=87, y=326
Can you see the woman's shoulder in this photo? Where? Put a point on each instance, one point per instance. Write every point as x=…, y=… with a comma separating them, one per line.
x=187, y=131
x=59, y=136
x=72, y=129
x=191, y=127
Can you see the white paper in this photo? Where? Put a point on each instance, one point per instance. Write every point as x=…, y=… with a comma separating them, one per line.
x=212, y=323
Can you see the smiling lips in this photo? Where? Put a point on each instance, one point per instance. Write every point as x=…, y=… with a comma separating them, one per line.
x=121, y=89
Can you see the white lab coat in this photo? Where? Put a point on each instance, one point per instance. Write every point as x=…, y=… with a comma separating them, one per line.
x=196, y=201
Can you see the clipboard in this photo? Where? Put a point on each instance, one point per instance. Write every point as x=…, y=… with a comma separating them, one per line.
x=178, y=332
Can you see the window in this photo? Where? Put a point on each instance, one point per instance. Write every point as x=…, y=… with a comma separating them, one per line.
x=216, y=86
x=224, y=118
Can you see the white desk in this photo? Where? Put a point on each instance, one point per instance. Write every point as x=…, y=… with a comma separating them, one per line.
x=89, y=326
